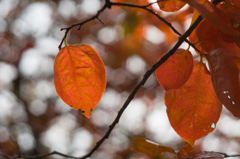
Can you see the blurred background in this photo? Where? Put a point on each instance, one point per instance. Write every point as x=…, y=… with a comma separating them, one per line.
x=33, y=119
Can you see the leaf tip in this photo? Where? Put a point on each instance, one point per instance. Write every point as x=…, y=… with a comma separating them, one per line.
x=191, y=142
x=86, y=113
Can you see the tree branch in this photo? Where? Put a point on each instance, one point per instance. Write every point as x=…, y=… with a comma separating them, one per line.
x=144, y=79
x=182, y=38
x=224, y=154
x=67, y=29
x=109, y=4
x=37, y=156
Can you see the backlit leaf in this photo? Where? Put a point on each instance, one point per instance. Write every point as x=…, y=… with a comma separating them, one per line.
x=171, y=5
x=179, y=66
x=194, y=107
x=225, y=79
x=141, y=145
x=79, y=77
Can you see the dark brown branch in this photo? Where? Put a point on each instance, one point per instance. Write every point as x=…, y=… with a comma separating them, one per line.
x=142, y=82
x=20, y=156
x=182, y=38
x=224, y=154
x=144, y=79
x=109, y=4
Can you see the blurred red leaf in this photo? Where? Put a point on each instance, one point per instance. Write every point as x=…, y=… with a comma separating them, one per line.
x=79, y=77
x=214, y=16
x=179, y=66
x=141, y=145
x=194, y=107
x=224, y=74
x=171, y=5
x=211, y=38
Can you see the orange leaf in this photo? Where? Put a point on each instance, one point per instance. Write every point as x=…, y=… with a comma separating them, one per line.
x=193, y=108
x=141, y=145
x=171, y=5
x=179, y=66
x=224, y=74
x=79, y=77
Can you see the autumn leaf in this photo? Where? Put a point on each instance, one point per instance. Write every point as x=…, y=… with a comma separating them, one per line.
x=179, y=66
x=171, y=5
x=214, y=16
x=141, y=145
x=225, y=79
x=79, y=77
x=193, y=108
x=211, y=38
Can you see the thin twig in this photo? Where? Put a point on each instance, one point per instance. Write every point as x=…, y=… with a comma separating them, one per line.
x=145, y=7
x=224, y=154
x=67, y=29
x=37, y=156
x=109, y=4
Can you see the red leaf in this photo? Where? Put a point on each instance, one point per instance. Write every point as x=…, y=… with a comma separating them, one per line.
x=194, y=107
x=141, y=145
x=211, y=38
x=214, y=16
x=79, y=77
x=171, y=5
x=209, y=156
x=224, y=74
x=178, y=66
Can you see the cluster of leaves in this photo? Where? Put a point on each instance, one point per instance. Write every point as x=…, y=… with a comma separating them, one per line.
x=194, y=95
x=194, y=101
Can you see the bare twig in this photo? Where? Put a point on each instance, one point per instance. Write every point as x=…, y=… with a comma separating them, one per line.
x=109, y=4
x=224, y=154
x=37, y=156
x=67, y=29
